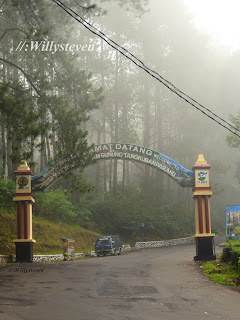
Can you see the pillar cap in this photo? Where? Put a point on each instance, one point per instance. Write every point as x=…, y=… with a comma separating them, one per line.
x=201, y=159
x=23, y=165
x=24, y=240
x=23, y=169
x=204, y=235
x=201, y=163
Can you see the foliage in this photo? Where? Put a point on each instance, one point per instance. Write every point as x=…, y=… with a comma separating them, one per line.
x=56, y=99
x=47, y=233
x=232, y=140
x=47, y=100
x=222, y=273
x=137, y=6
x=124, y=214
x=55, y=206
x=231, y=254
x=22, y=122
x=7, y=189
x=226, y=271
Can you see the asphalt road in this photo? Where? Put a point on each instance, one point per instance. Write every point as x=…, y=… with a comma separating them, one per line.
x=162, y=284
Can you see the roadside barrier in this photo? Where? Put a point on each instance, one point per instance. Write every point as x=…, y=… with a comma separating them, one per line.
x=126, y=247
x=164, y=243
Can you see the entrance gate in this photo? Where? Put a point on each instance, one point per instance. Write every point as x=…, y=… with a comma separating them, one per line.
x=198, y=180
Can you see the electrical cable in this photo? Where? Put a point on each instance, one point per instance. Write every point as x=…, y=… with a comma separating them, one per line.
x=143, y=64
x=157, y=76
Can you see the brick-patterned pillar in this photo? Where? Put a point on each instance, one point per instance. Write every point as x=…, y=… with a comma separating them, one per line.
x=24, y=199
x=205, y=249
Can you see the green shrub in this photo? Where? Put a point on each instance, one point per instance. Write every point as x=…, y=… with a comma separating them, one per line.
x=7, y=189
x=226, y=254
x=234, y=258
x=124, y=214
x=54, y=205
x=231, y=254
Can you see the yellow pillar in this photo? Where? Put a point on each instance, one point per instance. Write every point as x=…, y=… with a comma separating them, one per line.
x=201, y=194
x=24, y=200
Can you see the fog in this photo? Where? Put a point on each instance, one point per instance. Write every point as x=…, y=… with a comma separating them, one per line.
x=166, y=40
x=120, y=102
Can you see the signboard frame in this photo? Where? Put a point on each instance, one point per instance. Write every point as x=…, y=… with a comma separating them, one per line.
x=231, y=209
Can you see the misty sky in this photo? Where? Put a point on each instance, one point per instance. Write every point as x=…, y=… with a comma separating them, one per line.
x=219, y=19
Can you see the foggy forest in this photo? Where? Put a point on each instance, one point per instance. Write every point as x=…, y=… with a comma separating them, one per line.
x=65, y=89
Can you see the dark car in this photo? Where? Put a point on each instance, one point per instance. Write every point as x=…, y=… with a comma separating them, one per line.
x=108, y=245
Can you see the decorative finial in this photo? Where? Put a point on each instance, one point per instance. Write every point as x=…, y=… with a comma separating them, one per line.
x=24, y=165
x=201, y=159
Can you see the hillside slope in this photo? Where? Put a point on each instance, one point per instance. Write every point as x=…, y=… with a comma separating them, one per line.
x=46, y=233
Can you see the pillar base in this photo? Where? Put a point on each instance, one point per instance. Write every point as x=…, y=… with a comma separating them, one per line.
x=205, y=249
x=24, y=251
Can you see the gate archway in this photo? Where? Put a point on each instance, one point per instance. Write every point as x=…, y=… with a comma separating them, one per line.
x=198, y=179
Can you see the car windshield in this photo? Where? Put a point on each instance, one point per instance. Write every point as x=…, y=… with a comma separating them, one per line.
x=105, y=240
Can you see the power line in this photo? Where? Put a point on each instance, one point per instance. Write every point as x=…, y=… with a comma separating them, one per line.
x=151, y=72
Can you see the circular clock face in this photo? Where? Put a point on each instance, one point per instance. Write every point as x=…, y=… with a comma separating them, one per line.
x=22, y=182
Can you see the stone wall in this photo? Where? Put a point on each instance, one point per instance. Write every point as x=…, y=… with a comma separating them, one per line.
x=47, y=257
x=4, y=259
x=126, y=247
x=164, y=243
x=53, y=257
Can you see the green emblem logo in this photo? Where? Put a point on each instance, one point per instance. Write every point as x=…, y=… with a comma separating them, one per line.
x=22, y=182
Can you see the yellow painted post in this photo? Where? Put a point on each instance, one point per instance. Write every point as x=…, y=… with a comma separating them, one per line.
x=205, y=249
x=24, y=200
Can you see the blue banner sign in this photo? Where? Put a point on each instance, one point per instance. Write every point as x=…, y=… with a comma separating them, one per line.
x=157, y=160
x=50, y=174
x=43, y=180
x=147, y=156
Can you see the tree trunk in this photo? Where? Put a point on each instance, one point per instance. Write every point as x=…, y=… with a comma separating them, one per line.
x=146, y=141
x=9, y=161
x=98, y=166
x=3, y=148
x=43, y=154
x=116, y=114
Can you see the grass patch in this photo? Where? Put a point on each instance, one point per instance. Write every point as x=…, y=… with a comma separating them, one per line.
x=235, y=243
x=222, y=273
